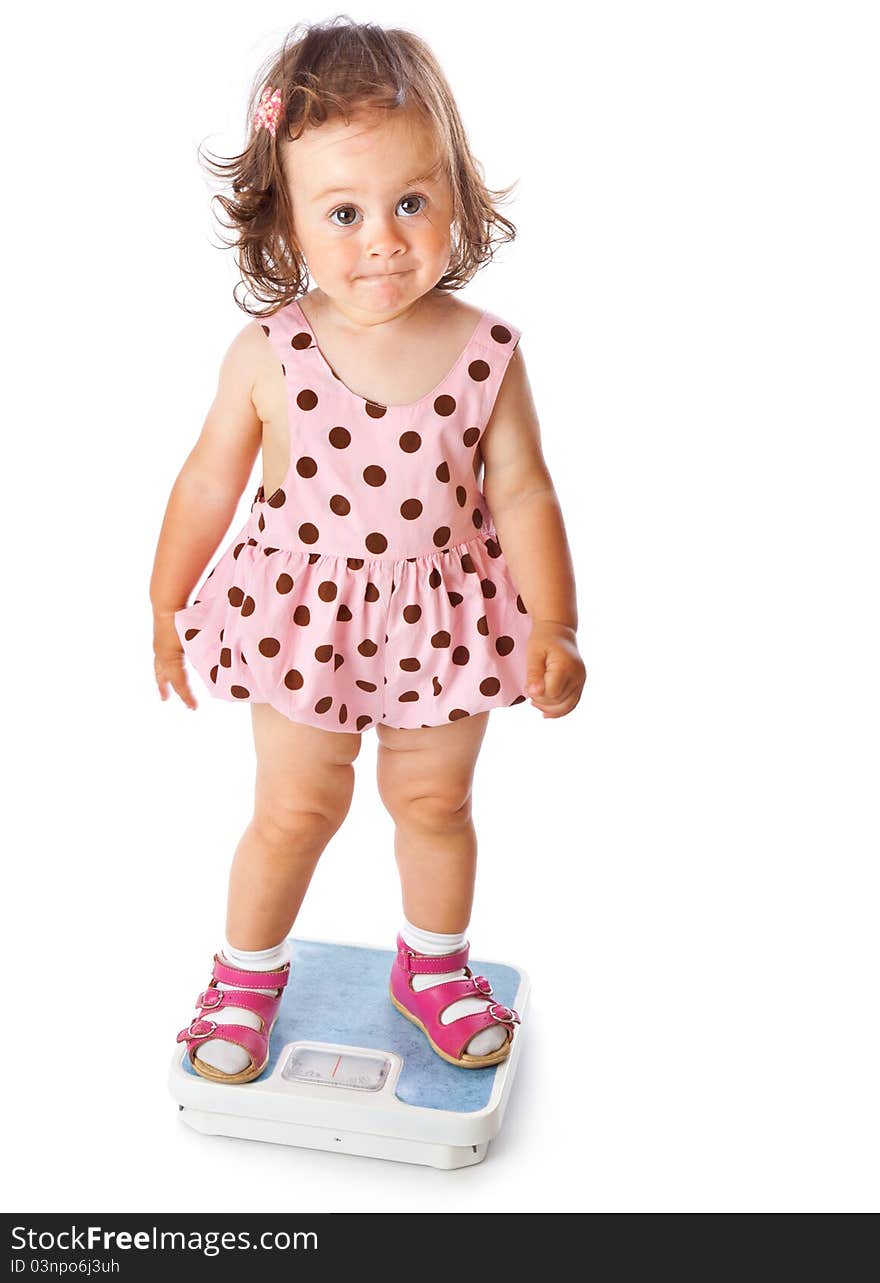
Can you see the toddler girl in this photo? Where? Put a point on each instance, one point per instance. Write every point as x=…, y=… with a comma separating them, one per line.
x=376, y=584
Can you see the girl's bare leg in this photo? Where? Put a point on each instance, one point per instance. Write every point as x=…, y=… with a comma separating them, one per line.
x=304, y=787
x=425, y=778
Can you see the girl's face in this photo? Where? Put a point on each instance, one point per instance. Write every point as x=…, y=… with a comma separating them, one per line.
x=372, y=212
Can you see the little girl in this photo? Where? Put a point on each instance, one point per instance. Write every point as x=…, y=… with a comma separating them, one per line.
x=376, y=583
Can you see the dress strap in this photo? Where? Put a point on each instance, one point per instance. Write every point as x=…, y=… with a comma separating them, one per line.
x=493, y=346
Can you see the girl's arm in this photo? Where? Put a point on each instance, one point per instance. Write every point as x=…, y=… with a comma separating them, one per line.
x=204, y=499
x=521, y=497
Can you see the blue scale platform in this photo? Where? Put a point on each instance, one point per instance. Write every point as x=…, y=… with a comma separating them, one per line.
x=339, y=994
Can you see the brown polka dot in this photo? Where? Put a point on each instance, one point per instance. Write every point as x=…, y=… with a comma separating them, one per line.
x=265, y=330
x=504, y=645
x=324, y=704
x=374, y=475
x=455, y=598
x=338, y=661
x=236, y=596
x=248, y=606
x=323, y=654
x=366, y=686
x=467, y=564
x=520, y=699
x=261, y=524
x=226, y=657
x=340, y=505
x=410, y=509
x=478, y=370
x=457, y=714
x=374, y=410
x=471, y=437
x=214, y=674
x=327, y=590
x=367, y=648
x=194, y=632
x=340, y=438
x=307, y=399
x=293, y=680
x=520, y=605
x=435, y=579
x=343, y=714
x=408, y=697
x=412, y=614
x=444, y=405
x=363, y=721
x=308, y=533
x=300, y=340
x=241, y=656
x=483, y=626
x=410, y=665
x=284, y=583
x=493, y=547
x=460, y=496
x=302, y=616
x=237, y=549
x=371, y=592
x=489, y=589
x=441, y=535
x=278, y=500
x=240, y=692
x=306, y=466
x=438, y=689
x=442, y=472
x=268, y=551
x=376, y=542
x=410, y=442
x=461, y=655
x=441, y=639
x=500, y=333
x=270, y=646
x=490, y=686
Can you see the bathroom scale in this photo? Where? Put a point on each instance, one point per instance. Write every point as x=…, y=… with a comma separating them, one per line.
x=347, y=1072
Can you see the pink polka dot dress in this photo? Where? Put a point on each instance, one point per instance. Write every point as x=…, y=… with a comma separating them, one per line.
x=371, y=586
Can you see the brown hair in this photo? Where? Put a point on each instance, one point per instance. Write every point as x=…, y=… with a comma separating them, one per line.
x=329, y=71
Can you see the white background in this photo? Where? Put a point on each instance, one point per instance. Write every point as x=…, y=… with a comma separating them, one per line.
x=687, y=864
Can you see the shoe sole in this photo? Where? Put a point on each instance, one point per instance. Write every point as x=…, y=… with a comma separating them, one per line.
x=465, y=1061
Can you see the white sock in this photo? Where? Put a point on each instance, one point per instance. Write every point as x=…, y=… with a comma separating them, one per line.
x=228, y=1057
x=434, y=943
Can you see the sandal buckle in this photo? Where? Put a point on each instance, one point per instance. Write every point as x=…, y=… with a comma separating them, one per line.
x=205, y=995
x=482, y=985
x=204, y=1033
x=504, y=1015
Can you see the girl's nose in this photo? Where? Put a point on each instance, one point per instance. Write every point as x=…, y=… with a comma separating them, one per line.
x=383, y=237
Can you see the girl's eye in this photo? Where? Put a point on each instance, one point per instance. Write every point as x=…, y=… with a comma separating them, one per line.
x=404, y=200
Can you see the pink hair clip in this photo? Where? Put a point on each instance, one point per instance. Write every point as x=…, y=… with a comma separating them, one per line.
x=267, y=113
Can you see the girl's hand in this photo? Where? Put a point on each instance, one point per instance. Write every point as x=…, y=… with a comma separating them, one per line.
x=555, y=672
x=168, y=664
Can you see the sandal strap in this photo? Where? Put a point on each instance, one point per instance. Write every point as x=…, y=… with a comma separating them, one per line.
x=257, y=979
x=199, y=1031
x=455, y=1036
x=262, y=1004
x=423, y=964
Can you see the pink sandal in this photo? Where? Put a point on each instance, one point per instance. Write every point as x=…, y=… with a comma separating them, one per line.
x=255, y=1041
x=424, y=1008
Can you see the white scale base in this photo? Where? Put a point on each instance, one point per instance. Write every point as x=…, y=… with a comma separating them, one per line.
x=339, y=1094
